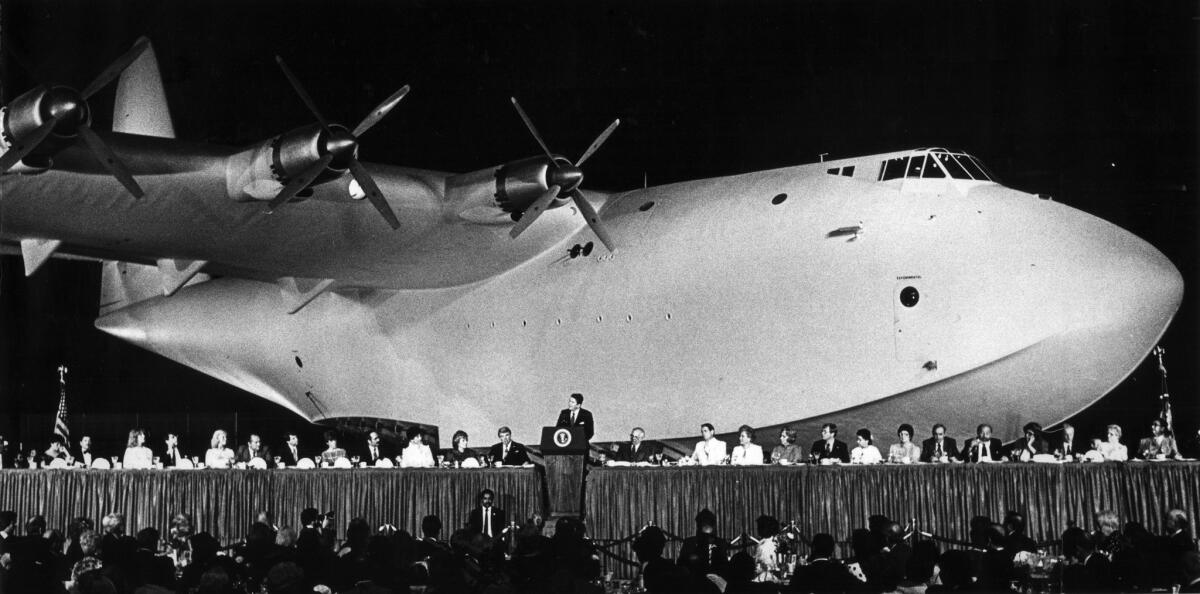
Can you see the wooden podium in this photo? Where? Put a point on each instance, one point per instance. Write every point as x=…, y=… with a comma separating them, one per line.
x=565, y=450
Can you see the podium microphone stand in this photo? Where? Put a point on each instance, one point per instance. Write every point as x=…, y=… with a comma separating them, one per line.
x=565, y=451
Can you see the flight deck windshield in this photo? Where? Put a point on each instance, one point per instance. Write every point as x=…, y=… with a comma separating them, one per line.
x=935, y=163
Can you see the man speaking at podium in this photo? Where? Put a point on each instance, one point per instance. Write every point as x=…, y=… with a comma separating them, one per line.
x=576, y=416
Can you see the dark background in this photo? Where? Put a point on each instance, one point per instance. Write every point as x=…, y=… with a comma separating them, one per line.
x=1092, y=102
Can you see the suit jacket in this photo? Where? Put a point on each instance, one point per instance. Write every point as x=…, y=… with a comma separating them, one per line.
x=970, y=452
x=840, y=451
x=824, y=575
x=365, y=454
x=1060, y=445
x=286, y=457
x=475, y=521
x=625, y=452
x=168, y=460
x=1148, y=449
x=79, y=457
x=949, y=447
x=264, y=452
x=517, y=454
x=1039, y=447
x=582, y=419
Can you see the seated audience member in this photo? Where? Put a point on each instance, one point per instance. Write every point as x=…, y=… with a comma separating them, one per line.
x=1093, y=454
x=658, y=574
x=1176, y=543
x=373, y=451
x=254, y=448
x=171, y=454
x=983, y=447
x=1160, y=445
x=332, y=452
x=1191, y=449
x=767, y=549
x=637, y=450
x=705, y=552
x=1015, y=539
x=458, y=452
x=709, y=450
x=1029, y=446
x=508, y=452
x=289, y=454
x=1065, y=447
x=84, y=454
x=746, y=453
x=1112, y=448
x=137, y=455
x=218, y=455
x=1086, y=570
x=486, y=518
x=864, y=452
x=905, y=452
x=829, y=448
x=1107, y=535
x=823, y=573
x=788, y=451
x=56, y=451
x=939, y=448
x=1191, y=572
x=954, y=573
x=417, y=454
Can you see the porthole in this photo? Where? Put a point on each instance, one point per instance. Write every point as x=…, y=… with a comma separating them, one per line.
x=587, y=249
x=299, y=363
x=778, y=199
x=909, y=296
x=646, y=206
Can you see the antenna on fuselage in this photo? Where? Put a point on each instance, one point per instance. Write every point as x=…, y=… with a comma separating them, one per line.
x=822, y=157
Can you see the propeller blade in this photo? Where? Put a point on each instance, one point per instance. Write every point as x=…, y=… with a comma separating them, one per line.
x=373, y=193
x=599, y=141
x=534, y=211
x=532, y=129
x=296, y=86
x=117, y=67
x=18, y=152
x=299, y=182
x=110, y=161
x=379, y=112
x=593, y=220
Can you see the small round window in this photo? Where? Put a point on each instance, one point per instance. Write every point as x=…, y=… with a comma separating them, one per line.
x=646, y=206
x=909, y=296
x=778, y=199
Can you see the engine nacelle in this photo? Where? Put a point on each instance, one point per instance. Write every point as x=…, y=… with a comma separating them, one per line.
x=21, y=118
x=499, y=195
x=260, y=172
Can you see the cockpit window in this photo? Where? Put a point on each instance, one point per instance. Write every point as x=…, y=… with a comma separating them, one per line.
x=935, y=163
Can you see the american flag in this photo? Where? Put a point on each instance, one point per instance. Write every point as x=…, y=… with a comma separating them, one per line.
x=60, y=420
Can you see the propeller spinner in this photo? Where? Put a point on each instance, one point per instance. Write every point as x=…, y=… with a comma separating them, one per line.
x=564, y=178
x=339, y=148
x=63, y=112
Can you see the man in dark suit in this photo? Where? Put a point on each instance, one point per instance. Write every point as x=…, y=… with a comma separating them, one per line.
x=486, y=519
x=374, y=451
x=705, y=552
x=1065, y=447
x=574, y=415
x=829, y=447
x=637, y=450
x=289, y=454
x=983, y=447
x=254, y=448
x=939, y=448
x=171, y=454
x=823, y=573
x=83, y=452
x=508, y=452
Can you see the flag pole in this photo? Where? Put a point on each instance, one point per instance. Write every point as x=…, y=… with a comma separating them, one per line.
x=1164, y=395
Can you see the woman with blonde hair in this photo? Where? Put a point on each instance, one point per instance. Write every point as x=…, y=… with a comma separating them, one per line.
x=1112, y=448
x=218, y=455
x=137, y=455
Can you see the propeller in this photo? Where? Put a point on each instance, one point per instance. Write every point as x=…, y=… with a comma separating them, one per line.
x=69, y=115
x=340, y=147
x=564, y=177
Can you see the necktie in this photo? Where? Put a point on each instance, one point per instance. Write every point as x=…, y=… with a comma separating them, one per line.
x=295, y=456
x=487, y=523
x=374, y=454
x=505, y=454
x=828, y=447
x=985, y=450
x=573, y=415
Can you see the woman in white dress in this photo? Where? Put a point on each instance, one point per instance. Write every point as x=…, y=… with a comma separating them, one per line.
x=218, y=455
x=865, y=453
x=416, y=454
x=1113, y=449
x=137, y=455
x=746, y=452
x=709, y=450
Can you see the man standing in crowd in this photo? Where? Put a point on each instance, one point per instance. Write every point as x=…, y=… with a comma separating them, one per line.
x=254, y=448
x=939, y=448
x=290, y=454
x=637, y=451
x=373, y=452
x=574, y=415
x=171, y=454
x=829, y=447
x=486, y=518
x=508, y=452
x=983, y=447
